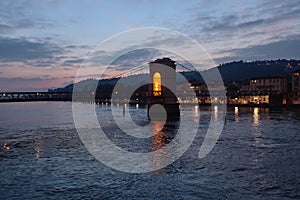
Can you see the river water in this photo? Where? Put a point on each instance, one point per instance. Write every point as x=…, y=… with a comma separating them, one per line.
x=42, y=157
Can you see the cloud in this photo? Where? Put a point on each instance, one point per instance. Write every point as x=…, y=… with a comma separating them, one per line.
x=4, y=28
x=67, y=68
x=27, y=84
x=136, y=57
x=121, y=60
x=125, y=62
x=228, y=25
x=210, y=25
x=78, y=47
x=15, y=80
x=22, y=50
x=89, y=76
x=13, y=13
x=288, y=48
x=232, y=28
x=73, y=61
x=137, y=53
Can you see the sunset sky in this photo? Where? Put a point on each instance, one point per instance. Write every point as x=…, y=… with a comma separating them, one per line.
x=43, y=43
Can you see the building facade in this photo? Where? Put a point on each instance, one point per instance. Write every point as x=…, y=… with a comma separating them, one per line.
x=296, y=87
x=269, y=85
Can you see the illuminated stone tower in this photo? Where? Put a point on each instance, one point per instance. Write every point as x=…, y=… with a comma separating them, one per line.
x=163, y=88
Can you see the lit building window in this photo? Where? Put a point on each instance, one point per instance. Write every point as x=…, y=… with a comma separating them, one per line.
x=156, y=84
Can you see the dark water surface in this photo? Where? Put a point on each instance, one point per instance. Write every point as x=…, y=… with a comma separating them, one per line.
x=42, y=157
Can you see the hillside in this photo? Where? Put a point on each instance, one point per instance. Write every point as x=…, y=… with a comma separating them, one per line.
x=233, y=71
x=239, y=71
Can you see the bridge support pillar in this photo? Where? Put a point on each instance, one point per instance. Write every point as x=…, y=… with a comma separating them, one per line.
x=162, y=90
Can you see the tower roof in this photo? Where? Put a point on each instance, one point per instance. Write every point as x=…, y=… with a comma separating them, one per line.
x=165, y=61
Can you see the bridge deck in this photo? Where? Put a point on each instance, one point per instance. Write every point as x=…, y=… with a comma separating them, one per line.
x=35, y=96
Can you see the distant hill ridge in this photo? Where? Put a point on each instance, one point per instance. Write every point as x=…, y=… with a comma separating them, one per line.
x=246, y=70
x=233, y=71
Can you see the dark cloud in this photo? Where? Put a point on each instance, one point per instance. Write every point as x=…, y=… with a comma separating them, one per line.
x=138, y=54
x=29, y=80
x=125, y=58
x=135, y=58
x=76, y=47
x=125, y=61
x=161, y=39
x=4, y=29
x=10, y=10
x=67, y=68
x=288, y=48
x=89, y=76
x=249, y=19
x=277, y=7
x=73, y=61
x=17, y=15
x=71, y=47
x=226, y=25
x=22, y=50
x=239, y=22
x=266, y=27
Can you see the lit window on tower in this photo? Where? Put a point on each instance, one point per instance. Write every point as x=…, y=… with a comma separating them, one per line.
x=156, y=84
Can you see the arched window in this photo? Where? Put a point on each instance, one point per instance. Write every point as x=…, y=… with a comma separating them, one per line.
x=156, y=84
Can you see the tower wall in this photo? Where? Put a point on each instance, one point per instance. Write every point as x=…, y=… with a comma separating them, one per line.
x=167, y=98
